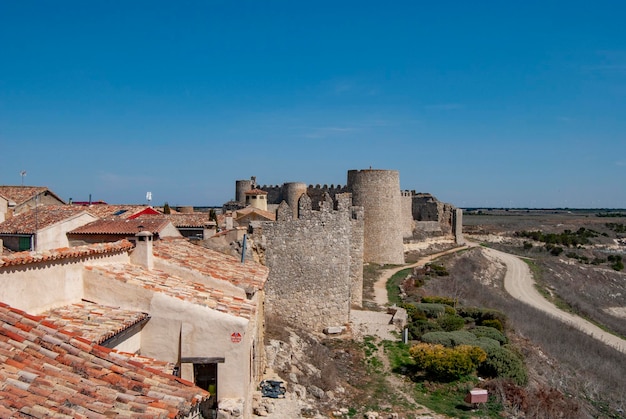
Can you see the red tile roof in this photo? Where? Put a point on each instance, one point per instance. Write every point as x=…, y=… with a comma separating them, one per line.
x=94, y=322
x=248, y=275
x=21, y=194
x=184, y=289
x=270, y=216
x=47, y=372
x=196, y=219
x=153, y=224
x=108, y=211
x=256, y=192
x=38, y=218
x=25, y=258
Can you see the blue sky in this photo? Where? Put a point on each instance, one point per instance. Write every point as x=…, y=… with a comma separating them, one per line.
x=486, y=103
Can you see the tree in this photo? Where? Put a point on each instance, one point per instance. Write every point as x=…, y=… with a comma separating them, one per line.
x=166, y=208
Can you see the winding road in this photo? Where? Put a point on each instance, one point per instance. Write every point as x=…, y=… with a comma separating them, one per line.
x=519, y=283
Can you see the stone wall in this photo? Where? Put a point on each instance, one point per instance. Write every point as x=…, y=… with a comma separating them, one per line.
x=378, y=192
x=315, y=262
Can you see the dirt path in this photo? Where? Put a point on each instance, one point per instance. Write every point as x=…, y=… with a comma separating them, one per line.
x=519, y=283
x=380, y=286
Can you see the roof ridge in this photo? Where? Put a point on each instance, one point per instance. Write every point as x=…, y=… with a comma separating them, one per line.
x=29, y=257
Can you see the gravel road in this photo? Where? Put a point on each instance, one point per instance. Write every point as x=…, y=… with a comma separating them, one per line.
x=519, y=283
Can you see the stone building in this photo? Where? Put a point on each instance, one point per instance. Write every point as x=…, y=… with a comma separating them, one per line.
x=17, y=199
x=323, y=234
x=315, y=261
x=202, y=310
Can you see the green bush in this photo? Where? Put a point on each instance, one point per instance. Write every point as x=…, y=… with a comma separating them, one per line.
x=413, y=312
x=432, y=310
x=447, y=363
x=418, y=328
x=439, y=300
x=451, y=322
x=450, y=339
x=503, y=363
x=487, y=343
x=480, y=315
x=489, y=332
x=438, y=270
x=494, y=323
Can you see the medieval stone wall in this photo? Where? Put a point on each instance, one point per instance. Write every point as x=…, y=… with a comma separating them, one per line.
x=378, y=192
x=315, y=262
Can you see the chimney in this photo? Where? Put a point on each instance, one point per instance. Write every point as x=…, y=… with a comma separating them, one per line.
x=142, y=255
x=229, y=221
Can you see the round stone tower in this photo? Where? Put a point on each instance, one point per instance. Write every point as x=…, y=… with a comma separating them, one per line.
x=292, y=191
x=243, y=186
x=378, y=192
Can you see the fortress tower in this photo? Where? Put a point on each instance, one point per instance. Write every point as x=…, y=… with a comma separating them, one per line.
x=243, y=186
x=378, y=192
x=291, y=193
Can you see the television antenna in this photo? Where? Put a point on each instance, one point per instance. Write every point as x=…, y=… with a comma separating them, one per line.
x=22, y=174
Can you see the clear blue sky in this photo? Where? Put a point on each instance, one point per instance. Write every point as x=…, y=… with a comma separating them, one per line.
x=481, y=103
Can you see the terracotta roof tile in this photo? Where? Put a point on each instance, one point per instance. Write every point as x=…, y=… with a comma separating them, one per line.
x=255, y=192
x=197, y=219
x=118, y=211
x=153, y=224
x=51, y=374
x=24, y=258
x=94, y=322
x=21, y=194
x=248, y=275
x=270, y=216
x=38, y=218
x=184, y=289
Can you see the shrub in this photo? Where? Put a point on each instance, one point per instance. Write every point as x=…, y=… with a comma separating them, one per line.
x=480, y=315
x=432, y=310
x=487, y=343
x=503, y=363
x=528, y=245
x=450, y=339
x=438, y=270
x=439, y=300
x=418, y=328
x=489, y=332
x=447, y=363
x=413, y=312
x=494, y=323
x=555, y=251
x=451, y=322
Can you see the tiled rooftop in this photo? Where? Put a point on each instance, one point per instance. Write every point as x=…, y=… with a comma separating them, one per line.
x=153, y=224
x=25, y=258
x=186, y=290
x=108, y=211
x=94, y=322
x=271, y=216
x=255, y=192
x=46, y=372
x=196, y=219
x=248, y=275
x=38, y=218
x=21, y=194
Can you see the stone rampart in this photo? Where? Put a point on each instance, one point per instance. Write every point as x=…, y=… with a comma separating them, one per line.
x=378, y=192
x=315, y=262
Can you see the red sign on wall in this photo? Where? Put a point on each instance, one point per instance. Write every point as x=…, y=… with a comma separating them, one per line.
x=235, y=337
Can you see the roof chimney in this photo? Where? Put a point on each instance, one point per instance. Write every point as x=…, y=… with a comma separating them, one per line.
x=142, y=255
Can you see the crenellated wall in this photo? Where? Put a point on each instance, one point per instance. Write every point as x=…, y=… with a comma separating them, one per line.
x=315, y=262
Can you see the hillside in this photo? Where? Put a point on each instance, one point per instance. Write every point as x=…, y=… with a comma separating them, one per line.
x=570, y=374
